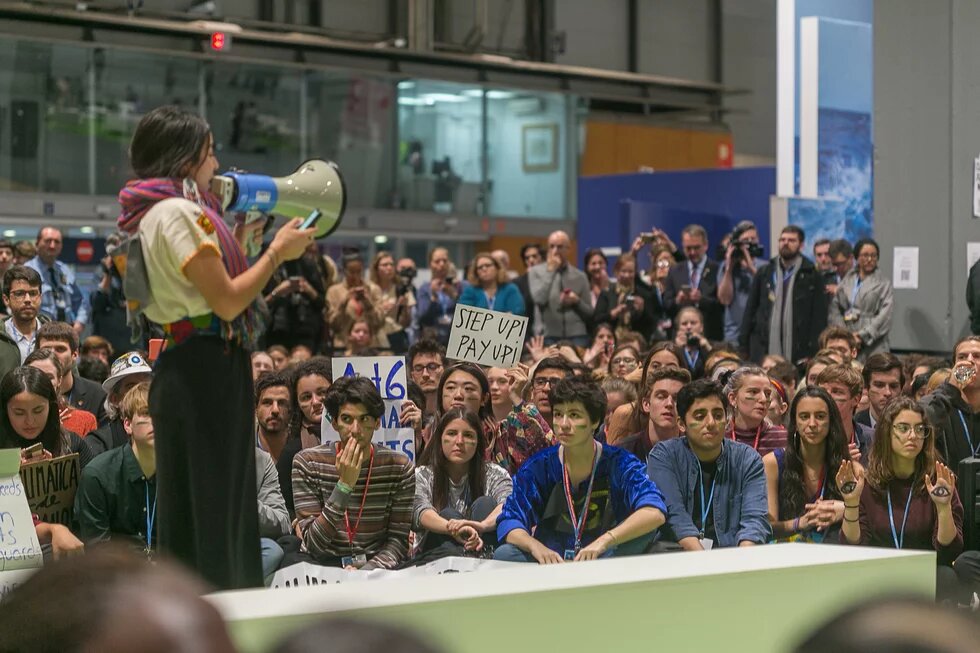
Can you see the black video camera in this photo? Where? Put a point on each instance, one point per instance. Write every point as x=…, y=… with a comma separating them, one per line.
x=407, y=275
x=693, y=342
x=755, y=250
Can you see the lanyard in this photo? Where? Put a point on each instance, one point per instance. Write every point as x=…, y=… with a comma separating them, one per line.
x=758, y=434
x=705, y=506
x=786, y=274
x=352, y=532
x=899, y=538
x=490, y=300
x=966, y=432
x=150, y=516
x=854, y=293
x=578, y=524
x=692, y=362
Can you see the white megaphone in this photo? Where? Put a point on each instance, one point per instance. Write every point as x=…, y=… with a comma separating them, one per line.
x=316, y=185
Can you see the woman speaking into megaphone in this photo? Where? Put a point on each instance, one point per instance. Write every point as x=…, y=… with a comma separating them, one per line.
x=201, y=293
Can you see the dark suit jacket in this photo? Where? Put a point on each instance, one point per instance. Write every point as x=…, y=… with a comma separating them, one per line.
x=643, y=322
x=711, y=308
x=88, y=395
x=809, y=312
x=107, y=437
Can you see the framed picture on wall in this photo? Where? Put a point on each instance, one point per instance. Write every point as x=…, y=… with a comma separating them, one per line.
x=539, y=147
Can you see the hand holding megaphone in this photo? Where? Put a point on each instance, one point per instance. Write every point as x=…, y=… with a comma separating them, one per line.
x=316, y=185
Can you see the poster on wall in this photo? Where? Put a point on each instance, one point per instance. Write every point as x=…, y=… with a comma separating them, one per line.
x=905, y=272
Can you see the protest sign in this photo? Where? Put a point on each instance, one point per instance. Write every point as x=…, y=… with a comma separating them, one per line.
x=486, y=337
x=19, y=547
x=389, y=377
x=50, y=487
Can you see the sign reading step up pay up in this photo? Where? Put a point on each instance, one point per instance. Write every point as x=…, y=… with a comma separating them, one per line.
x=389, y=377
x=486, y=337
x=20, y=551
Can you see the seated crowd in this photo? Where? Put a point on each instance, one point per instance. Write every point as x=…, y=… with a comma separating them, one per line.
x=693, y=416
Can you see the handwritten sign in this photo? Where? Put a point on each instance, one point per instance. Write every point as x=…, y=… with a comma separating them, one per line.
x=50, y=487
x=486, y=337
x=390, y=378
x=19, y=547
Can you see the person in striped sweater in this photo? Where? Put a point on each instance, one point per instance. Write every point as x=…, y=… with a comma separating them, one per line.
x=354, y=500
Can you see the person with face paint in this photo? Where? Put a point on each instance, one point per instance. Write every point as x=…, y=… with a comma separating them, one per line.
x=715, y=487
x=606, y=506
x=749, y=392
x=906, y=499
x=353, y=500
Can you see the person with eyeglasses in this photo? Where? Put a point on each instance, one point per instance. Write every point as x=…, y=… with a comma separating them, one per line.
x=511, y=440
x=22, y=294
x=864, y=301
x=624, y=360
x=544, y=376
x=906, y=499
x=426, y=360
x=489, y=287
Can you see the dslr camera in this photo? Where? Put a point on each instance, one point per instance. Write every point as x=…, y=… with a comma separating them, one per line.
x=406, y=276
x=755, y=250
x=693, y=341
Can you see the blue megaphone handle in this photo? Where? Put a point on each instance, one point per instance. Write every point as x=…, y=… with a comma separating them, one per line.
x=255, y=192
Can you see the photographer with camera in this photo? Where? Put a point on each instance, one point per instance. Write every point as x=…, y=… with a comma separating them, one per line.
x=353, y=298
x=627, y=305
x=396, y=303
x=743, y=257
x=695, y=283
x=295, y=298
x=690, y=340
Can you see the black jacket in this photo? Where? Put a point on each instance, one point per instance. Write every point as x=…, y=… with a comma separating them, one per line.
x=948, y=414
x=809, y=312
x=522, y=285
x=712, y=309
x=107, y=437
x=973, y=297
x=643, y=322
x=88, y=395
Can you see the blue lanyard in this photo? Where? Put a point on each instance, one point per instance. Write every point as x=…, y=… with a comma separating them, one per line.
x=966, y=432
x=490, y=300
x=899, y=538
x=786, y=274
x=857, y=287
x=705, y=507
x=150, y=516
x=692, y=362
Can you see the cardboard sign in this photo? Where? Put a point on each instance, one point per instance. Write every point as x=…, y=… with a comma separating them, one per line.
x=390, y=378
x=19, y=547
x=486, y=337
x=50, y=486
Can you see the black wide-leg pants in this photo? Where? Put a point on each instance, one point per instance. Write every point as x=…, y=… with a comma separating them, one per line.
x=202, y=408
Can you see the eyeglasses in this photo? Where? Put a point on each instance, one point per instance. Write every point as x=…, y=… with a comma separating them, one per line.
x=918, y=432
x=432, y=368
x=663, y=264
x=624, y=360
x=484, y=266
x=21, y=294
x=542, y=381
x=869, y=257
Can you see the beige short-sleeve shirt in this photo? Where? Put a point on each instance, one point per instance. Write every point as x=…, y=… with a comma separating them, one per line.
x=173, y=232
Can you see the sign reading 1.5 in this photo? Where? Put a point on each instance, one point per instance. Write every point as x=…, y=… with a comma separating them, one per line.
x=387, y=373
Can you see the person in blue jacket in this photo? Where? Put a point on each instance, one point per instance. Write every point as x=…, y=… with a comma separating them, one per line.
x=715, y=487
x=489, y=287
x=582, y=500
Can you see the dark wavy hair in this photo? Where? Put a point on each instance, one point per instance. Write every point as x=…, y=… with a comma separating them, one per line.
x=792, y=489
x=316, y=366
x=30, y=379
x=880, y=471
x=475, y=475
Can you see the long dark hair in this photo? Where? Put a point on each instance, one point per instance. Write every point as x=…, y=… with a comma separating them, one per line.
x=34, y=381
x=167, y=142
x=475, y=475
x=792, y=489
x=880, y=471
x=486, y=408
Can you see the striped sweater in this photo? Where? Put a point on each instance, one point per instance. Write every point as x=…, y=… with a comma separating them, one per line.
x=382, y=534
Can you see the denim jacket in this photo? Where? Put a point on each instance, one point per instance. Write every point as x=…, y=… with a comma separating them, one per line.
x=739, y=508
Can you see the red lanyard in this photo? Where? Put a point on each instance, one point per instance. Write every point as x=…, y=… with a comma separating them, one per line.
x=578, y=524
x=758, y=433
x=352, y=532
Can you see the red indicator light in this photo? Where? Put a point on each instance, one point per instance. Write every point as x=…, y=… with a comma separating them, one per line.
x=219, y=41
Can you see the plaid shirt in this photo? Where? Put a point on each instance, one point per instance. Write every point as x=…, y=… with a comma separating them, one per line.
x=382, y=534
